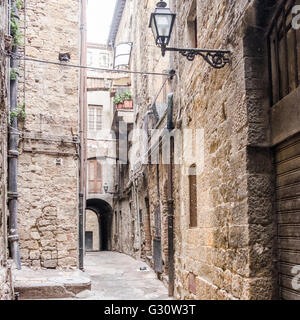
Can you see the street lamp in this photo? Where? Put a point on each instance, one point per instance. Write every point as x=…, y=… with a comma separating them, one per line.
x=105, y=187
x=162, y=22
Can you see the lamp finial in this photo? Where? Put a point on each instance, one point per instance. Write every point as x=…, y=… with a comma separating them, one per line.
x=161, y=4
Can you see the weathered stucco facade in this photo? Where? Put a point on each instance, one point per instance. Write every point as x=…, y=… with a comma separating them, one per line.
x=49, y=149
x=233, y=251
x=6, y=291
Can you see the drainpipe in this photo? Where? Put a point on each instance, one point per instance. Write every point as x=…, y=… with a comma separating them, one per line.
x=13, y=155
x=136, y=191
x=82, y=120
x=171, y=201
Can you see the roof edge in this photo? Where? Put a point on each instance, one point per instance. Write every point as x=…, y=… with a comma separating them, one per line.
x=114, y=27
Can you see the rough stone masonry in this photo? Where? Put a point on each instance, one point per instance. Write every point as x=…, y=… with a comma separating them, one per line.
x=230, y=254
x=48, y=165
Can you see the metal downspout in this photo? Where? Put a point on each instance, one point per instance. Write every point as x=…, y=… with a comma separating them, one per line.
x=13, y=155
x=82, y=120
x=170, y=127
x=137, y=206
x=171, y=201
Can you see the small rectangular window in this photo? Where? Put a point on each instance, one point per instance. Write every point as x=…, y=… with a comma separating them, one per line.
x=95, y=117
x=193, y=197
x=90, y=58
x=103, y=60
x=193, y=26
x=116, y=222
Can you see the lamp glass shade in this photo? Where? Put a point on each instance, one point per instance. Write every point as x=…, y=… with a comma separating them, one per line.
x=161, y=23
x=105, y=187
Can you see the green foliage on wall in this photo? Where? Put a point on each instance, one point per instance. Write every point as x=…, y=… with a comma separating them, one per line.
x=20, y=113
x=14, y=28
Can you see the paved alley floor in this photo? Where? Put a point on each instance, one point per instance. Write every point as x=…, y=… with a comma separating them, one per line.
x=116, y=276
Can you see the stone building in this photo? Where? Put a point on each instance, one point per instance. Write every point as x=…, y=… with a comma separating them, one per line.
x=236, y=208
x=101, y=148
x=123, y=223
x=6, y=291
x=49, y=142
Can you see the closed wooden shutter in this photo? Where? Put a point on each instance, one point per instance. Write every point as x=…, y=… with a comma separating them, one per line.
x=193, y=201
x=95, y=177
x=287, y=157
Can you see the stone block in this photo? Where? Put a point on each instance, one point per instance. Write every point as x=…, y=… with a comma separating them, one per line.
x=46, y=255
x=35, y=235
x=34, y=255
x=49, y=264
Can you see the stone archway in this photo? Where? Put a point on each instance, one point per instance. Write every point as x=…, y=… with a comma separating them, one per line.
x=103, y=211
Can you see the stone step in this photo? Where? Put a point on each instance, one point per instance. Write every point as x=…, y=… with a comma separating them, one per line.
x=49, y=284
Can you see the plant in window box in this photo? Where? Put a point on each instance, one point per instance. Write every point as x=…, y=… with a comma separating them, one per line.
x=127, y=96
x=118, y=101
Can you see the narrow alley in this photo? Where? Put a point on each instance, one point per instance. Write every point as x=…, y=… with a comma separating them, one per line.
x=149, y=150
x=116, y=276
x=107, y=276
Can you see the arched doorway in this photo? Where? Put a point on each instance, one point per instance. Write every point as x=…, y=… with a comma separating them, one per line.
x=92, y=231
x=103, y=211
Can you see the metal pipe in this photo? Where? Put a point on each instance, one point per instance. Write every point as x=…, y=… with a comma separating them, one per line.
x=171, y=202
x=137, y=207
x=13, y=155
x=81, y=226
x=139, y=219
x=82, y=120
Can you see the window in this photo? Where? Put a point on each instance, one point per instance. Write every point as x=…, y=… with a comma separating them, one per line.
x=103, y=60
x=141, y=217
x=90, y=58
x=95, y=176
x=120, y=223
x=284, y=54
x=193, y=196
x=116, y=223
x=95, y=118
x=193, y=26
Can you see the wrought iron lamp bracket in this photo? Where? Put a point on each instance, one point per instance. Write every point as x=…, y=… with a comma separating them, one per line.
x=215, y=58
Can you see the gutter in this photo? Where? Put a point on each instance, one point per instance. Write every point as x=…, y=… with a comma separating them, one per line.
x=171, y=252
x=13, y=155
x=82, y=120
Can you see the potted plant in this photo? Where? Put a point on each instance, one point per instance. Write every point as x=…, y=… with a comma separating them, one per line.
x=127, y=96
x=118, y=101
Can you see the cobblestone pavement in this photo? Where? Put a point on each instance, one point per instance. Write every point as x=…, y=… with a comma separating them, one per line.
x=116, y=276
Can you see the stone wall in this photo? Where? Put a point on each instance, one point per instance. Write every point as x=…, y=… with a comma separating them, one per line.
x=6, y=290
x=229, y=254
x=48, y=164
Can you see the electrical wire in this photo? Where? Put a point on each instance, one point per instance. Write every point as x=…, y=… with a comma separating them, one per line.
x=84, y=67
